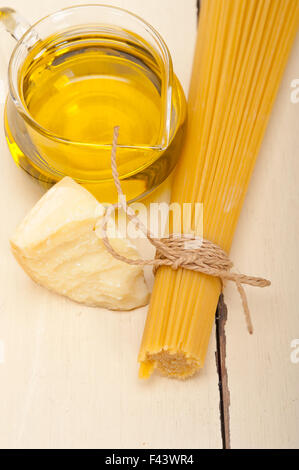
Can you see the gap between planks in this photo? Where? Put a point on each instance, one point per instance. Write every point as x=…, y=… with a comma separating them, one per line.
x=224, y=402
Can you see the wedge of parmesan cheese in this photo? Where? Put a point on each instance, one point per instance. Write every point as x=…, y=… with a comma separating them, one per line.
x=58, y=245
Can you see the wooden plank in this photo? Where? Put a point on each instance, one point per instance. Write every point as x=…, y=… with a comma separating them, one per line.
x=262, y=380
x=69, y=374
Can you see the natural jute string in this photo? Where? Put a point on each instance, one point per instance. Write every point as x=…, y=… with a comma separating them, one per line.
x=204, y=256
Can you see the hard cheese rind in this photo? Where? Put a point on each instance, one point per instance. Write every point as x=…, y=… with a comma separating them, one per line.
x=58, y=245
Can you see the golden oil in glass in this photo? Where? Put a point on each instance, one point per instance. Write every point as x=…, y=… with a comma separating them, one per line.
x=76, y=88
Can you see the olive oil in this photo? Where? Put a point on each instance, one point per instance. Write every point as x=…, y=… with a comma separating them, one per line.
x=76, y=87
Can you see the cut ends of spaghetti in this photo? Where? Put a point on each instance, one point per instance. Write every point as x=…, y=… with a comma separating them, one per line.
x=175, y=365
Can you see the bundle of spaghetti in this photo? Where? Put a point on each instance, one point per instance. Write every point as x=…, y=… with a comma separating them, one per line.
x=241, y=52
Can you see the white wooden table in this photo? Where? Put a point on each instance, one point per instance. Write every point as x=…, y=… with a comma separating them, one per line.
x=68, y=373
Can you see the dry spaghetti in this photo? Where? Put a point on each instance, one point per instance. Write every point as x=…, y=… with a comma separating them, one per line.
x=241, y=52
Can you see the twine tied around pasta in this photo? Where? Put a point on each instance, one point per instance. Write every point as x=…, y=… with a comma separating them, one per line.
x=180, y=251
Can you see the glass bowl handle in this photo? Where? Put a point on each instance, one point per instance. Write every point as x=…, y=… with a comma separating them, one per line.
x=13, y=22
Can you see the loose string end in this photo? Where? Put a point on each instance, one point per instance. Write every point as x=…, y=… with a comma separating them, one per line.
x=208, y=258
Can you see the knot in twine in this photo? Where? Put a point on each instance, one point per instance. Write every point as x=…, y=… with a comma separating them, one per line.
x=180, y=251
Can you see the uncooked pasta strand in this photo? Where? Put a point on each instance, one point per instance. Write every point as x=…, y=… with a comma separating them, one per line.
x=242, y=48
